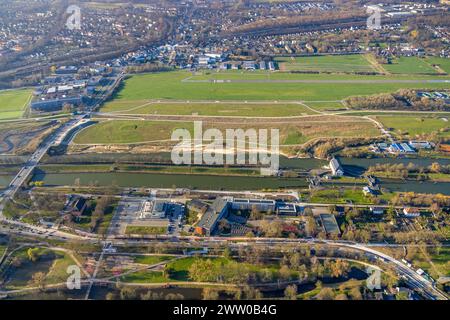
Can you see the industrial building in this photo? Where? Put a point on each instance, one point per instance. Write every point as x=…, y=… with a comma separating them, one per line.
x=212, y=216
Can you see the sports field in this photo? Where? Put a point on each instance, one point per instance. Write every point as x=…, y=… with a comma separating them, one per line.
x=410, y=65
x=338, y=63
x=13, y=103
x=291, y=133
x=170, y=86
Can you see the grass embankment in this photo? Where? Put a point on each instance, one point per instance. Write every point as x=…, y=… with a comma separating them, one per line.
x=149, y=169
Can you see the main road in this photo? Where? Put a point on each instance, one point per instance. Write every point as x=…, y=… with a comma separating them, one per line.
x=35, y=158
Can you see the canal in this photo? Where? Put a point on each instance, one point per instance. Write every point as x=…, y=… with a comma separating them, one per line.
x=209, y=182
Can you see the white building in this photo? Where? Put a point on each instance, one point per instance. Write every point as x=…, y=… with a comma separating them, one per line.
x=336, y=168
x=153, y=209
x=411, y=212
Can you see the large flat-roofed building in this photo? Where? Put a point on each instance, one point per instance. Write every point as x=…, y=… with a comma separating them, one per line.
x=249, y=204
x=66, y=70
x=54, y=104
x=289, y=209
x=216, y=211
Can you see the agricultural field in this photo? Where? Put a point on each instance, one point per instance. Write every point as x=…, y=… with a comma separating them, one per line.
x=410, y=65
x=223, y=109
x=291, y=133
x=13, y=103
x=338, y=63
x=416, y=126
x=170, y=86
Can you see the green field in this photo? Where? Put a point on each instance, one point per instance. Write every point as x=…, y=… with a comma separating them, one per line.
x=338, y=63
x=415, y=125
x=13, y=103
x=128, y=131
x=159, y=132
x=169, y=86
x=443, y=63
x=410, y=65
x=208, y=109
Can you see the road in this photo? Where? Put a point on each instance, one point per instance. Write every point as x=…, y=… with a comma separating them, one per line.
x=34, y=160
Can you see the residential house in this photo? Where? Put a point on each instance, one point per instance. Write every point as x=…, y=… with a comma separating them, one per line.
x=411, y=212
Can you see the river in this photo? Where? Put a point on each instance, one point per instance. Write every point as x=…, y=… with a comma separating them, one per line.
x=157, y=180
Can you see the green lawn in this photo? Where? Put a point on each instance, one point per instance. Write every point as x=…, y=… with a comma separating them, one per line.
x=410, y=65
x=144, y=277
x=13, y=103
x=145, y=230
x=150, y=260
x=340, y=196
x=415, y=125
x=338, y=63
x=443, y=63
x=169, y=86
x=181, y=267
x=441, y=263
